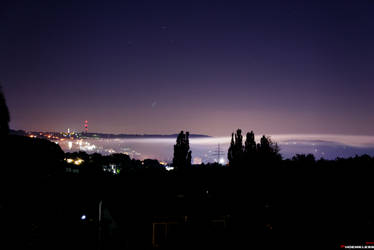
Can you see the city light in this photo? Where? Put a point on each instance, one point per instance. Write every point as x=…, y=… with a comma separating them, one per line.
x=78, y=161
x=69, y=160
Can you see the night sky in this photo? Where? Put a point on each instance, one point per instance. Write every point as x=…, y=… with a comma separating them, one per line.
x=204, y=66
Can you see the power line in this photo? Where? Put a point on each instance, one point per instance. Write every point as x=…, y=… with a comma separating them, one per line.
x=218, y=153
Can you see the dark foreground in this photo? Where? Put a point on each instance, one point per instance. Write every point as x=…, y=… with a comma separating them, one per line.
x=266, y=205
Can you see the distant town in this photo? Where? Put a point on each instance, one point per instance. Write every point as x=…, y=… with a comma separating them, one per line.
x=85, y=135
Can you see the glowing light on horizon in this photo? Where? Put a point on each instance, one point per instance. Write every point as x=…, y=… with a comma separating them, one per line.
x=221, y=161
x=329, y=146
x=197, y=160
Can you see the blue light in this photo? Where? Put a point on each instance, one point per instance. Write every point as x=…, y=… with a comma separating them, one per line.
x=83, y=217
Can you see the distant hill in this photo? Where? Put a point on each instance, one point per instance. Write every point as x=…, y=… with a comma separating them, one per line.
x=113, y=136
x=17, y=132
x=103, y=135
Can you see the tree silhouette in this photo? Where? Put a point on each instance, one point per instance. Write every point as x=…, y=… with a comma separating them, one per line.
x=4, y=116
x=182, y=152
x=264, y=145
x=235, y=152
x=250, y=146
x=305, y=160
x=268, y=150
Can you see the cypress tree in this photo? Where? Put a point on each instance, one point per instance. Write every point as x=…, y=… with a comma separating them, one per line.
x=182, y=152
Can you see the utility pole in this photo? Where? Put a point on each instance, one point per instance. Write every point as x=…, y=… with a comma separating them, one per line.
x=218, y=153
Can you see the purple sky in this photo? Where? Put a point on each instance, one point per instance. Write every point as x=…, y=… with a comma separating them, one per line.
x=205, y=66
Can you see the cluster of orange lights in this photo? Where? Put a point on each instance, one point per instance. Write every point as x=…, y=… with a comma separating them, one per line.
x=49, y=136
x=77, y=161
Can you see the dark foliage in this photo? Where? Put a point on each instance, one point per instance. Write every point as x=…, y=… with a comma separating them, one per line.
x=250, y=147
x=182, y=153
x=253, y=154
x=235, y=152
x=210, y=205
x=4, y=116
